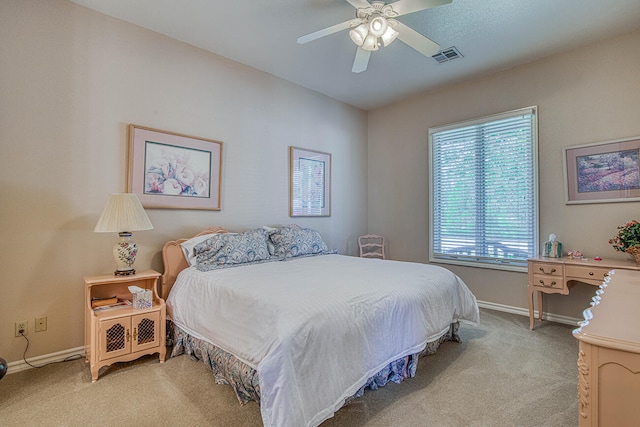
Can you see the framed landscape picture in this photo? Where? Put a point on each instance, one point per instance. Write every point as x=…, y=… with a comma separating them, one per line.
x=309, y=182
x=174, y=171
x=603, y=172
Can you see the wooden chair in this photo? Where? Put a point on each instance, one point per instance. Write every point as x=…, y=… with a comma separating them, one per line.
x=371, y=246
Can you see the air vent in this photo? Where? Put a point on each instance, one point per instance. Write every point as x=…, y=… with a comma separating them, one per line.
x=447, y=55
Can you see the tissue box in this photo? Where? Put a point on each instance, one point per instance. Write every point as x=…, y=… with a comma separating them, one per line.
x=142, y=299
x=552, y=249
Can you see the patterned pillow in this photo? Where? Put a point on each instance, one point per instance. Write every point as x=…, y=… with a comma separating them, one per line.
x=239, y=248
x=189, y=246
x=295, y=241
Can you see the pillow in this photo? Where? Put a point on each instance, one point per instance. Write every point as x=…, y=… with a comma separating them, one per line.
x=293, y=241
x=239, y=248
x=189, y=245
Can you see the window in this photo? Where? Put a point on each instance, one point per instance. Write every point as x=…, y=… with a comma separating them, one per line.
x=484, y=196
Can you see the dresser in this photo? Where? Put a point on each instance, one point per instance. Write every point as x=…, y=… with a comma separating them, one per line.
x=609, y=354
x=558, y=275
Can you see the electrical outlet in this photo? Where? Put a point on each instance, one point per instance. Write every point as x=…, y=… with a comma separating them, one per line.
x=22, y=326
x=41, y=324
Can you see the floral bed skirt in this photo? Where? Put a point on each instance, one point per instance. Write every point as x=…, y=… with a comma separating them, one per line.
x=227, y=369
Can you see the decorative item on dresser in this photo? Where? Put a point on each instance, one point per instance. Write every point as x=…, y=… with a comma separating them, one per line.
x=609, y=354
x=627, y=239
x=123, y=214
x=119, y=332
x=558, y=275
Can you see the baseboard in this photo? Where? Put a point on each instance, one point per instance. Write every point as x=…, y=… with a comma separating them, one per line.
x=525, y=312
x=21, y=365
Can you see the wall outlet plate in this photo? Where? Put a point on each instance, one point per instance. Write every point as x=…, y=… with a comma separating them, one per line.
x=41, y=324
x=22, y=326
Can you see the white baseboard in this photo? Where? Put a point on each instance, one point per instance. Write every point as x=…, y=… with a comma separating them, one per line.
x=21, y=365
x=525, y=312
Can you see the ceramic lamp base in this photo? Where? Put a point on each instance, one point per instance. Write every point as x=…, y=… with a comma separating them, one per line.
x=124, y=253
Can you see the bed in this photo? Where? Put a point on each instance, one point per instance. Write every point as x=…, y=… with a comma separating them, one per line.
x=299, y=328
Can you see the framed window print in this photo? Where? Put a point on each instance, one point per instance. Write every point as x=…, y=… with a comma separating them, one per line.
x=309, y=183
x=174, y=171
x=603, y=172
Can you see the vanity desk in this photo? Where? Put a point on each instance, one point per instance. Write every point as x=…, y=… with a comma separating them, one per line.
x=558, y=275
x=609, y=354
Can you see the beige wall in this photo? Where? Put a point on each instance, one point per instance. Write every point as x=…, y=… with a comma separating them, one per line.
x=71, y=80
x=587, y=95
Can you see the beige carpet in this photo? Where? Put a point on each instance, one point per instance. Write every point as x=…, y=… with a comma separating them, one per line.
x=501, y=375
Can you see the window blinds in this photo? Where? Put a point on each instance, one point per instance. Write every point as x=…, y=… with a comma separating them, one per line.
x=484, y=190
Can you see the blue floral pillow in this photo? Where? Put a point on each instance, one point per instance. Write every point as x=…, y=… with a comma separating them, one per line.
x=226, y=249
x=293, y=241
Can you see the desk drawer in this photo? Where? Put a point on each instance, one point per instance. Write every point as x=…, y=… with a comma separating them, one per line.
x=589, y=274
x=547, y=269
x=548, y=281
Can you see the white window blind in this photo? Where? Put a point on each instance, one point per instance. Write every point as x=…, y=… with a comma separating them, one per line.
x=484, y=202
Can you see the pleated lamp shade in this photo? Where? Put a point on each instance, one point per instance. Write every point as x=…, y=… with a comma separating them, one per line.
x=123, y=214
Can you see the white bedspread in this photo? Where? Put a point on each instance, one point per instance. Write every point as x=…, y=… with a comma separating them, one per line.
x=316, y=328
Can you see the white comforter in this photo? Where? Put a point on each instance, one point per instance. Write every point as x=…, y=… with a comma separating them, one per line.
x=316, y=328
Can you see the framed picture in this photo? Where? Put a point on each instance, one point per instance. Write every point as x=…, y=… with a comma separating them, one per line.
x=174, y=171
x=309, y=183
x=603, y=172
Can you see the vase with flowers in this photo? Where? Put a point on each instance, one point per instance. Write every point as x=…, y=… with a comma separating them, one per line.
x=628, y=239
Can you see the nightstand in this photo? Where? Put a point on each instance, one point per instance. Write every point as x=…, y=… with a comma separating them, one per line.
x=122, y=334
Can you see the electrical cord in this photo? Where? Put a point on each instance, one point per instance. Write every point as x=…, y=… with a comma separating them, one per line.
x=66, y=359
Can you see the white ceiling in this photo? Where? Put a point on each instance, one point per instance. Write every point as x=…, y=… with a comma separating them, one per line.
x=492, y=35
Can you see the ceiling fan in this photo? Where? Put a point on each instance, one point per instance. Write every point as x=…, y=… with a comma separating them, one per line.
x=374, y=22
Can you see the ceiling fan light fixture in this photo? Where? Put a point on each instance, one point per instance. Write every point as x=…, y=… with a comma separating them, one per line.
x=370, y=43
x=359, y=34
x=378, y=26
x=389, y=36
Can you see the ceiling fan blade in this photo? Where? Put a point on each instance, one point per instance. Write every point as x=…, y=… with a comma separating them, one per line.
x=416, y=40
x=362, y=60
x=404, y=7
x=359, y=4
x=324, y=32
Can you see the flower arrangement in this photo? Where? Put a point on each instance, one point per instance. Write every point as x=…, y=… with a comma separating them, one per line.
x=628, y=239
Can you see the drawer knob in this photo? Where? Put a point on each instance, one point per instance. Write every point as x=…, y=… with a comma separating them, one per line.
x=591, y=273
x=553, y=270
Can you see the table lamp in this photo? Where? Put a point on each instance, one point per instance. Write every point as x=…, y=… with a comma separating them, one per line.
x=123, y=214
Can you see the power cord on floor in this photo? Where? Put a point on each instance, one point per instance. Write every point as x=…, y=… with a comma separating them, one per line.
x=66, y=359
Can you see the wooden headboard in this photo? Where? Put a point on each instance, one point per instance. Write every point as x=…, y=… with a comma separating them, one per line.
x=174, y=261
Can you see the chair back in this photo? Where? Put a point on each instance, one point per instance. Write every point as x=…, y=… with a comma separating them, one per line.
x=371, y=246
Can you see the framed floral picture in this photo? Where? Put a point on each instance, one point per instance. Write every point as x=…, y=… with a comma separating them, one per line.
x=174, y=171
x=603, y=172
x=309, y=182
